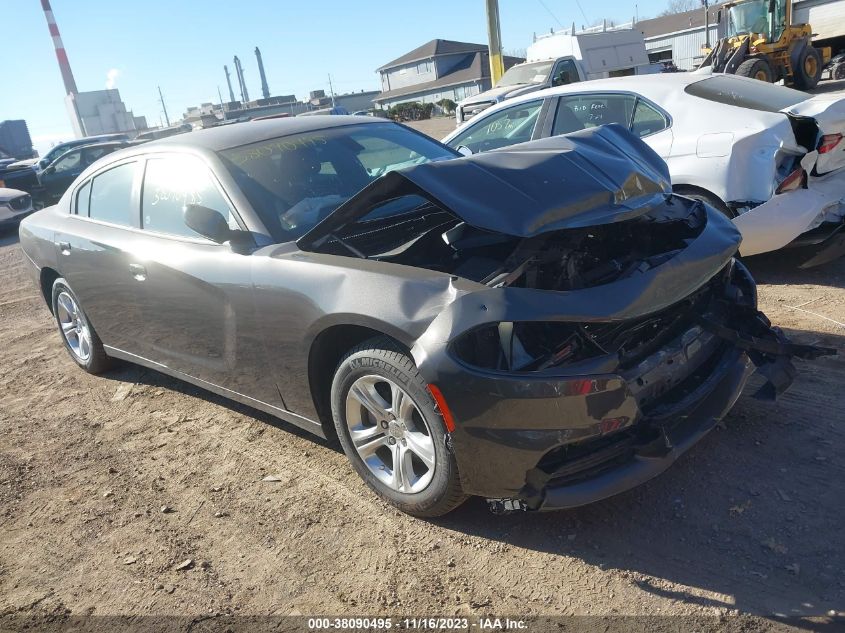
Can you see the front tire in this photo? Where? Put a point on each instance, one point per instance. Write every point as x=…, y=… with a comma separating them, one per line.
x=389, y=427
x=756, y=68
x=78, y=335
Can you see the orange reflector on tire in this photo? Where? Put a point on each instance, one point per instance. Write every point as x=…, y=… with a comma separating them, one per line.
x=444, y=408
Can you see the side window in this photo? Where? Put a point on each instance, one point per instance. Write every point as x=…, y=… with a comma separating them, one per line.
x=564, y=73
x=91, y=154
x=506, y=127
x=647, y=120
x=111, y=195
x=83, y=199
x=68, y=161
x=581, y=112
x=170, y=184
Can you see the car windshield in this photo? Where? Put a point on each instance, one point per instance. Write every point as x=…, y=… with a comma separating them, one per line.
x=293, y=182
x=754, y=95
x=749, y=17
x=526, y=74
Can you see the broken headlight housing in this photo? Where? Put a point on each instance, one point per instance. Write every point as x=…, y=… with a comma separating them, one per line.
x=525, y=346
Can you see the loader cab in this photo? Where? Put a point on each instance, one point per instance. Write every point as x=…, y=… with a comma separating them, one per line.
x=766, y=18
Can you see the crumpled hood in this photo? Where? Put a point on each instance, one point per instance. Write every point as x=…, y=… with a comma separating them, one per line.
x=597, y=176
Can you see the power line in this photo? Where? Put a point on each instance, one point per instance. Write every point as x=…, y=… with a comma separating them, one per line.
x=584, y=15
x=543, y=4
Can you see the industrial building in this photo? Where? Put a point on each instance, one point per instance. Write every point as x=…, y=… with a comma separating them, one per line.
x=439, y=69
x=679, y=37
x=101, y=112
x=15, y=140
x=95, y=112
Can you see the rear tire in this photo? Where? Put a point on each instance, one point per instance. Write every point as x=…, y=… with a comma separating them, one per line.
x=808, y=72
x=756, y=68
x=78, y=335
x=379, y=397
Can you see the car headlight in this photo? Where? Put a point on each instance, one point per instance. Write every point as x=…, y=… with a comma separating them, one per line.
x=524, y=346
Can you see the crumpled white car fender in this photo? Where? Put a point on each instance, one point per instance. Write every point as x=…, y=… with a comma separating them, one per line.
x=776, y=223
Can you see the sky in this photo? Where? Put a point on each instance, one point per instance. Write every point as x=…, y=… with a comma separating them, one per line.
x=182, y=45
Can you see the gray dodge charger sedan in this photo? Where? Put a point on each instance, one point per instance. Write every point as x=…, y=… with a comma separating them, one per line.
x=543, y=326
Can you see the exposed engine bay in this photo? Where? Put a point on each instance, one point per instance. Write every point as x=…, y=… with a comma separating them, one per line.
x=419, y=233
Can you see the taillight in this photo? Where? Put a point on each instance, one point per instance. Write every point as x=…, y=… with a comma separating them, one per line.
x=829, y=143
x=793, y=181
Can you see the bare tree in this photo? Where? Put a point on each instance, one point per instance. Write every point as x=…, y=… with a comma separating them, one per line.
x=515, y=52
x=680, y=6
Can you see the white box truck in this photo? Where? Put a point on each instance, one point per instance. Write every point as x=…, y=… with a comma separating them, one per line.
x=562, y=58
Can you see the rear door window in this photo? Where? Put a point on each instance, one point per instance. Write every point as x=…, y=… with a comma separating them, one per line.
x=83, y=199
x=92, y=154
x=647, y=120
x=111, y=195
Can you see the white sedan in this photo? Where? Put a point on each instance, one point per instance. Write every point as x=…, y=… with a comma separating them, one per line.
x=770, y=157
x=15, y=205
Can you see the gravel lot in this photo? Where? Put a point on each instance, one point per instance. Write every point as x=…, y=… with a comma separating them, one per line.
x=108, y=484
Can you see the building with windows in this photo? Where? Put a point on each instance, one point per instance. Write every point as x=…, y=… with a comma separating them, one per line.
x=679, y=38
x=439, y=69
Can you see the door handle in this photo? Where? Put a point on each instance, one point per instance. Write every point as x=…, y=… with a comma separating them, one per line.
x=138, y=272
x=64, y=247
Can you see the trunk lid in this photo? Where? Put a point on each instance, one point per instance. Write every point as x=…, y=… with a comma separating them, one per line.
x=828, y=113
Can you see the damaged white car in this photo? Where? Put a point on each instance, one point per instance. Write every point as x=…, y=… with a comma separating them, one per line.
x=769, y=157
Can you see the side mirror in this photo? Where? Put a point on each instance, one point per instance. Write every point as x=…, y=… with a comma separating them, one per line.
x=463, y=150
x=208, y=223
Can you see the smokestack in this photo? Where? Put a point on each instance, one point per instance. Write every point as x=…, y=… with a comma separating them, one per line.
x=265, y=90
x=229, y=83
x=239, y=71
x=61, y=55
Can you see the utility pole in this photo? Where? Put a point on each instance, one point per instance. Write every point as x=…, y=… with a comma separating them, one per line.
x=331, y=90
x=163, y=107
x=706, y=23
x=494, y=39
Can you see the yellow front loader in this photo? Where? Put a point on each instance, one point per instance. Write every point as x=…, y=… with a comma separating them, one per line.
x=761, y=42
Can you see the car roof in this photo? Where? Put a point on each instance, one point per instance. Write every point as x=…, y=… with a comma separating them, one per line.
x=635, y=83
x=237, y=134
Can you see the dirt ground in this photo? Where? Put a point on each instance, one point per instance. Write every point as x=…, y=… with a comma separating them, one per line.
x=108, y=484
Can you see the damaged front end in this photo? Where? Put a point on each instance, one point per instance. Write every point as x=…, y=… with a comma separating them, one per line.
x=610, y=327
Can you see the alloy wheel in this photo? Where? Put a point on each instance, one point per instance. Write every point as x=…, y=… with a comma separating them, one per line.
x=390, y=434
x=74, y=327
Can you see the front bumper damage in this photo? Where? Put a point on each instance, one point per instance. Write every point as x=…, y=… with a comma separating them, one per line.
x=547, y=443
